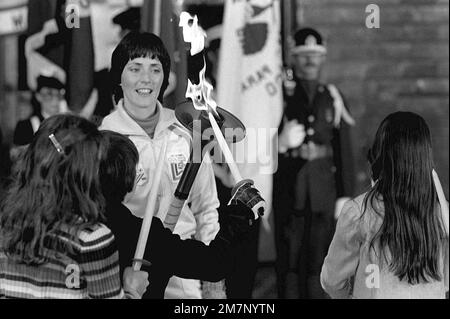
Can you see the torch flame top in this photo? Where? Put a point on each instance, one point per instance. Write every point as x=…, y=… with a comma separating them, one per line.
x=201, y=94
x=192, y=32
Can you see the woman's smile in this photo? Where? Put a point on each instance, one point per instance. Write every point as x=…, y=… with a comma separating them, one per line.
x=141, y=83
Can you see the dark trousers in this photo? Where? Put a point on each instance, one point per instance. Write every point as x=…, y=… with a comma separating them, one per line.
x=302, y=242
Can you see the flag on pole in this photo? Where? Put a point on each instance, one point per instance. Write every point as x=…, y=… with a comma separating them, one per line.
x=160, y=17
x=250, y=86
x=80, y=71
x=46, y=41
x=59, y=44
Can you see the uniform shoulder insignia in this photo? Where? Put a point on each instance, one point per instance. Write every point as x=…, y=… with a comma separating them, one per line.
x=340, y=111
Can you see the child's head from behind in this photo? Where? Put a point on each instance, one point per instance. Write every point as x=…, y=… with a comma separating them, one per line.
x=402, y=147
x=56, y=184
x=118, y=168
x=412, y=231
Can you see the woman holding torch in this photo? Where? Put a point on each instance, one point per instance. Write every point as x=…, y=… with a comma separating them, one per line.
x=140, y=69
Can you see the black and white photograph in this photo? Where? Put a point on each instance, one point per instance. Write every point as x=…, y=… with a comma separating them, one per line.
x=225, y=157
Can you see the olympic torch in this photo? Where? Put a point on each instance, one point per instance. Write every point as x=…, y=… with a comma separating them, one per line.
x=199, y=114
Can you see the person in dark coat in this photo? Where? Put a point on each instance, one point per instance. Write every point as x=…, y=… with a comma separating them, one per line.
x=49, y=95
x=315, y=171
x=165, y=253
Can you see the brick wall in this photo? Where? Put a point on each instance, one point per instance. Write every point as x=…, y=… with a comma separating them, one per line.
x=403, y=65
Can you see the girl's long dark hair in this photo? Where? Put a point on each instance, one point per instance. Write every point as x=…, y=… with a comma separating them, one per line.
x=52, y=190
x=412, y=229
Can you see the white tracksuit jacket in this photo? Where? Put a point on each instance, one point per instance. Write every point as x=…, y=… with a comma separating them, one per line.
x=200, y=218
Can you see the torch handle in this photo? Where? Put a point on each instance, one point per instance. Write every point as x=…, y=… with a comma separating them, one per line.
x=173, y=213
x=225, y=149
x=150, y=208
x=181, y=194
x=255, y=201
x=187, y=179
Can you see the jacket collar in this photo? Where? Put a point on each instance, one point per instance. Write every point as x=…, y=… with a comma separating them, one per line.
x=128, y=126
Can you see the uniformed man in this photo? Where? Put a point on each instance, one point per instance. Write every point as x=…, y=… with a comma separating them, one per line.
x=50, y=96
x=314, y=174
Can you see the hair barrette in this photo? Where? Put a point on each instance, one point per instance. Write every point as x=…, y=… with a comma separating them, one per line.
x=55, y=142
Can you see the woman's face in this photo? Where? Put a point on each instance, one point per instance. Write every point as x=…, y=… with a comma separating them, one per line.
x=141, y=82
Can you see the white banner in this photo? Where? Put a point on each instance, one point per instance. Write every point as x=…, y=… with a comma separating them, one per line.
x=250, y=85
x=13, y=19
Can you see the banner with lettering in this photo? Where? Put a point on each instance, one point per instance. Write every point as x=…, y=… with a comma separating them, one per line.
x=250, y=86
x=13, y=16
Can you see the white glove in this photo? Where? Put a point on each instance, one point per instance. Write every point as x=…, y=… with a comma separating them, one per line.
x=292, y=136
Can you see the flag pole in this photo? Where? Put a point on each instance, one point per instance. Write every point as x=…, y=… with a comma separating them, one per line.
x=3, y=111
x=157, y=17
x=289, y=13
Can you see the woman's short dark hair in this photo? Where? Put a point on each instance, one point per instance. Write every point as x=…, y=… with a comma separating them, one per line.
x=134, y=45
x=118, y=167
x=53, y=187
x=412, y=231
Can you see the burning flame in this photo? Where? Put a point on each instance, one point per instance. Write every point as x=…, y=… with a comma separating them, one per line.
x=192, y=32
x=201, y=94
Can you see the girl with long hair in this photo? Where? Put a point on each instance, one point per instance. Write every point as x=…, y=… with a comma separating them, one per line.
x=392, y=242
x=52, y=240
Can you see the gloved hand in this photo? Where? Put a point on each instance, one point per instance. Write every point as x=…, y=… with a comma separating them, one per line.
x=240, y=215
x=235, y=220
x=247, y=194
x=135, y=283
x=292, y=136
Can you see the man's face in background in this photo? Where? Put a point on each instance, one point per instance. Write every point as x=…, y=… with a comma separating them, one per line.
x=308, y=65
x=50, y=100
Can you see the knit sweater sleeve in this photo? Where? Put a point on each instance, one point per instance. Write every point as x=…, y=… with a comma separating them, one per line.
x=100, y=263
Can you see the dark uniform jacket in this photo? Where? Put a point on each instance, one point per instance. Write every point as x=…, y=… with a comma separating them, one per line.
x=318, y=182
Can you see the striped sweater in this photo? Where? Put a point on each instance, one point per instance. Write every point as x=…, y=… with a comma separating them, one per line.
x=91, y=270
